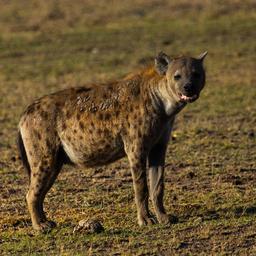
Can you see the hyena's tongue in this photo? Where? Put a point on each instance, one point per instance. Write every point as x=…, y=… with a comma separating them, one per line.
x=184, y=97
x=187, y=98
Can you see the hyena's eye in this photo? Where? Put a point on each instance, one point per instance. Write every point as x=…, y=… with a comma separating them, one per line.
x=177, y=77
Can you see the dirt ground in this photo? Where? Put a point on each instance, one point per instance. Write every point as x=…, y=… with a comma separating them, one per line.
x=210, y=167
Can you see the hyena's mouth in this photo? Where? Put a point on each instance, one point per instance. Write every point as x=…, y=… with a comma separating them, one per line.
x=187, y=99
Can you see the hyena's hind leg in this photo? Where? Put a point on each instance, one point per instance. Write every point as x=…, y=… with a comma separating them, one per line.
x=42, y=178
x=44, y=165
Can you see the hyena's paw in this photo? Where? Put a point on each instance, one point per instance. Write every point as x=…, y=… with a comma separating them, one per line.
x=45, y=227
x=166, y=219
x=146, y=220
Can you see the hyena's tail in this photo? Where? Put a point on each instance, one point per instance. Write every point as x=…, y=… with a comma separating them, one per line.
x=23, y=154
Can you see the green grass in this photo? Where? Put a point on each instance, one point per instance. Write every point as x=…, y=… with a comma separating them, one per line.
x=211, y=170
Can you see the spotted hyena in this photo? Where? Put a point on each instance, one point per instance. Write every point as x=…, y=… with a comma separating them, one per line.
x=98, y=124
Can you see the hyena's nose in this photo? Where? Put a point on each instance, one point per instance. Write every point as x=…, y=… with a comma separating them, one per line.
x=188, y=88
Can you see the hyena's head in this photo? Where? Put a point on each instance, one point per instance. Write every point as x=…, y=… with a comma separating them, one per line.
x=185, y=76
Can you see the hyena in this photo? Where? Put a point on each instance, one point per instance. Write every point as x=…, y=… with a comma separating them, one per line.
x=100, y=123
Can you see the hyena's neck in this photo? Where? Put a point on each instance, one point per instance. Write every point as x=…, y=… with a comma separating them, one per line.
x=156, y=92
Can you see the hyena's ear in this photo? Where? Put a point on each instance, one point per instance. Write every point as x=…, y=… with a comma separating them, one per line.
x=202, y=56
x=161, y=63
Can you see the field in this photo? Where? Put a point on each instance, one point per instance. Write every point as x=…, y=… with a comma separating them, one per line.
x=211, y=163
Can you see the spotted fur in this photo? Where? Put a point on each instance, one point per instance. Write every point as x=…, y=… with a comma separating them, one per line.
x=98, y=124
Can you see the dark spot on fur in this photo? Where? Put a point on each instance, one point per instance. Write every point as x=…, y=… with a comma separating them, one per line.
x=78, y=116
x=116, y=104
x=45, y=162
x=104, y=95
x=48, y=143
x=44, y=115
x=117, y=113
x=81, y=125
x=124, y=132
x=64, y=126
x=139, y=134
x=68, y=114
x=135, y=90
x=131, y=108
x=102, y=142
x=47, y=170
x=92, y=125
x=75, y=131
x=38, y=135
x=80, y=137
x=37, y=194
x=68, y=138
x=135, y=116
x=140, y=121
x=101, y=116
x=93, y=109
x=30, y=109
x=58, y=104
x=30, y=152
x=107, y=116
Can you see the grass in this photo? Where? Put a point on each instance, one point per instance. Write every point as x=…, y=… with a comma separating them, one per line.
x=211, y=170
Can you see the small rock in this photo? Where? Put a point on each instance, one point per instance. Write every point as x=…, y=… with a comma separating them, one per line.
x=173, y=219
x=13, y=159
x=89, y=226
x=191, y=175
x=251, y=134
x=237, y=182
x=182, y=245
x=216, y=164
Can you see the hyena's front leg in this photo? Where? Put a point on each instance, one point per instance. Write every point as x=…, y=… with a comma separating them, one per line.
x=156, y=182
x=138, y=167
x=156, y=162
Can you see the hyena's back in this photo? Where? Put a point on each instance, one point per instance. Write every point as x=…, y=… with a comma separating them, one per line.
x=77, y=123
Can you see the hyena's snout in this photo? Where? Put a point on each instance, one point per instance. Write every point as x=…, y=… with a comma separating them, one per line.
x=189, y=89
